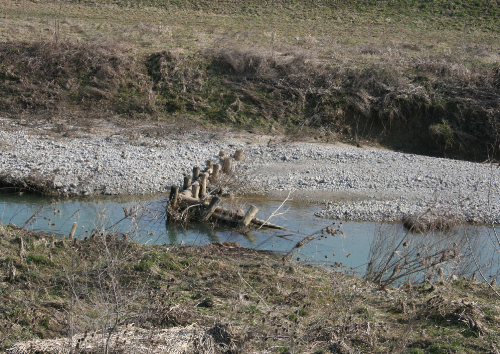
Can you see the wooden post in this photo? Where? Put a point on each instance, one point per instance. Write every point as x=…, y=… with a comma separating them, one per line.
x=238, y=155
x=187, y=182
x=73, y=229
x=247, y=219
x=211, y=208
x=196, y=173
x=227, y=165
x=215, y=174
x=210, y=164
x=196, y=190
x=174, y=193
x=203, y=185
x=222, y=154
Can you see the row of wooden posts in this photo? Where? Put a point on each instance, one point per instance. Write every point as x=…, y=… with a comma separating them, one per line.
x=198, y=196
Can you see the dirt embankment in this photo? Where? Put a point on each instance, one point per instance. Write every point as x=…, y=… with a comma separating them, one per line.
x=435, y=106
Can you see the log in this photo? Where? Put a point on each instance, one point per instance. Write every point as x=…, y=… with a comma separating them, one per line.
x=203, y=185
x=190, y=200
x=225, y=218
x=249, y=215
x=211, y=208
x=187, y=182
x=209, y=164
x=264, y=223
x=222, y=154
x=215, y=174
x=238, y=155
x=227, y=165
x=73, y=229
x=233, y=217
x=196, y=173
x=235, y=220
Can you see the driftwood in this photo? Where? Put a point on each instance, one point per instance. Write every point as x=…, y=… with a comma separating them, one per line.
x=224, y=214
x=196, y=197
x=187, y=182
x=203, y=185
x=215, y=174
x=73, y=229
x=195, y=191
x=196, y=173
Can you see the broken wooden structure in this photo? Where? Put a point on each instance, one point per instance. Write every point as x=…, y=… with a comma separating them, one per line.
x=201, y=196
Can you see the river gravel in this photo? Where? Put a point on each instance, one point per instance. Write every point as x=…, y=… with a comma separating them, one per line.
x=354, y=183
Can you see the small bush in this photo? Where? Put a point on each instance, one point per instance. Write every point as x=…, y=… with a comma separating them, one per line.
x=38, y=259
x=429, y=223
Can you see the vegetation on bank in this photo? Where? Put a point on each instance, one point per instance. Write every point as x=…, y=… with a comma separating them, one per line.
x=430, y=107
x=259, y=301
x=418, y=76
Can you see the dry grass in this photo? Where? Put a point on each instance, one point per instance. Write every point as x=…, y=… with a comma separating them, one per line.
x=431, y=255
x=429, y=223
x=176, y=340
x=245, y=300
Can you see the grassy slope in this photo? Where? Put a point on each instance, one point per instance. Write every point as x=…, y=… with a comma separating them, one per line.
x=268, y=304
x=421, y=76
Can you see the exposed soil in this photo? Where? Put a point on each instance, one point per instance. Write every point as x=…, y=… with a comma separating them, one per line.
x=434, y=107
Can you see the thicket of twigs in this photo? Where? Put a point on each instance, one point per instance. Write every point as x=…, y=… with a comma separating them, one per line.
x=106, y=293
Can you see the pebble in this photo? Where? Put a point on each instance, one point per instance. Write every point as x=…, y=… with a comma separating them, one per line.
x=393, y=184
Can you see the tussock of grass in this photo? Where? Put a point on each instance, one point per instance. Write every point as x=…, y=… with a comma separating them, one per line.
x=429, y=223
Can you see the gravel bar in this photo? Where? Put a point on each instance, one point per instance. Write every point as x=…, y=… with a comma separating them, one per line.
x=354, y=183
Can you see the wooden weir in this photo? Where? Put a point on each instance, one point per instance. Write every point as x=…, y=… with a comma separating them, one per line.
x=200, y=197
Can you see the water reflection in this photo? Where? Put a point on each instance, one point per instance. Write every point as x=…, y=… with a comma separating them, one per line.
x=350, y=250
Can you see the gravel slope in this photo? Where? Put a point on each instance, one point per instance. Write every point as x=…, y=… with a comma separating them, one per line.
x=355, y=183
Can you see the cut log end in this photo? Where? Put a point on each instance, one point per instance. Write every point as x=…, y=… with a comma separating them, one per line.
x=249, y=215
x=196, y=173
x=227, y=165
x=238, y=155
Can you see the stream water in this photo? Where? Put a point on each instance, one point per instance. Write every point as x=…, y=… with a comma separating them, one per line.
x=348, y=249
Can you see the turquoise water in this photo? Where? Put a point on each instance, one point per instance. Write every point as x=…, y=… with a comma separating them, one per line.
x=348, y=250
